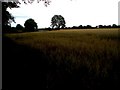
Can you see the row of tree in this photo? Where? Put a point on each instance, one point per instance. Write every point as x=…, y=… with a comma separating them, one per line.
x=90, y=27
x=30, y=25
x=7, y=17
x=57, y=21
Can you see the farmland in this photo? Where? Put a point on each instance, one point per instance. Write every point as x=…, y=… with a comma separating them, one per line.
x=85, y=59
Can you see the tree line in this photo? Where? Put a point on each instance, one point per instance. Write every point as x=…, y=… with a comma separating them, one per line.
x=91, y=27
x=57, y=21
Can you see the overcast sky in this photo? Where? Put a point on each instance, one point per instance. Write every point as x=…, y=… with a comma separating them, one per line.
x=75, y=12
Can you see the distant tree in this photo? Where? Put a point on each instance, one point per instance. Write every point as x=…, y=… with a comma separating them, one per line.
x=7, y=17
x=88, y=26
x=30, y=25
x=80, y=26
x=114, y=25
x=108, y=26
x=19, y=27
x=13, y=28
x=100, y=26
x=58, y=21
x=75, y=27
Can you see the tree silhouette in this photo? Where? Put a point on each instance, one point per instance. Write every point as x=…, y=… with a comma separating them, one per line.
x=19, y=27
x=58, y=21
x=100, y=26
x=46, y=2
x=114, y=25
x=7, y=18
x=30, y=25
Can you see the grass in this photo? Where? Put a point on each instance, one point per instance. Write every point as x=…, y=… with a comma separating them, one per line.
x=85, y=59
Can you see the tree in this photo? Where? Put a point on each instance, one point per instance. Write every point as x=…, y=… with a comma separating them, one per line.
x=58, y=21
x=7, y=18
x=80, y=26
x=46, y=2
x=88, y=26
x=30, y=25
x=114, y=25
x=19, y=27
x=100, y=26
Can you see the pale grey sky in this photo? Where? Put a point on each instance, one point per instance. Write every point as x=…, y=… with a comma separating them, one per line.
x=75, y=12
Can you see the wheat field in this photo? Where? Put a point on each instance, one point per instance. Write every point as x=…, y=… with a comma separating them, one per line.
x=76, y=50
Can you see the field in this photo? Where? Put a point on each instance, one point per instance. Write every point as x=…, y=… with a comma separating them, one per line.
x=84, y=59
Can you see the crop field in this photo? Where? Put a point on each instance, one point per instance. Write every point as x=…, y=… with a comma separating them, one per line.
x=84, y=59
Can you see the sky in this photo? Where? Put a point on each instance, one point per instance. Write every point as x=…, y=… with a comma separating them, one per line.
x=75, y=12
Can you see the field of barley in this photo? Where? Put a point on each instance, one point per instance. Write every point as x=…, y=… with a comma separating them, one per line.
x=84, y=59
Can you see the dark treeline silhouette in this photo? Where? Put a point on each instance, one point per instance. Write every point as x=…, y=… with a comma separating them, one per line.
x=31, y=26
x=90, y=27
x=57, y=21
x=109, y=26
x=82, y=27
x=8, y=17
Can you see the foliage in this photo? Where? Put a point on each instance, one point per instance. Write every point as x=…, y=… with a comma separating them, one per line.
x=46, y=2
x=30, y=25
x=114, y=25
x=58, y=21
x=7, y=18
x=19, y=27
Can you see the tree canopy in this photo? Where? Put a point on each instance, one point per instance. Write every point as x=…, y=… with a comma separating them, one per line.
x=7, y=17
x=30, y=25
x=58, y=21
x=19, y=27
x=46, y=2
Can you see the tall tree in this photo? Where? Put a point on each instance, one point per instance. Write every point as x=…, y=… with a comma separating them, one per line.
x=7, y=18
x=58, y=21
x=30, y=25
x=19, y=27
